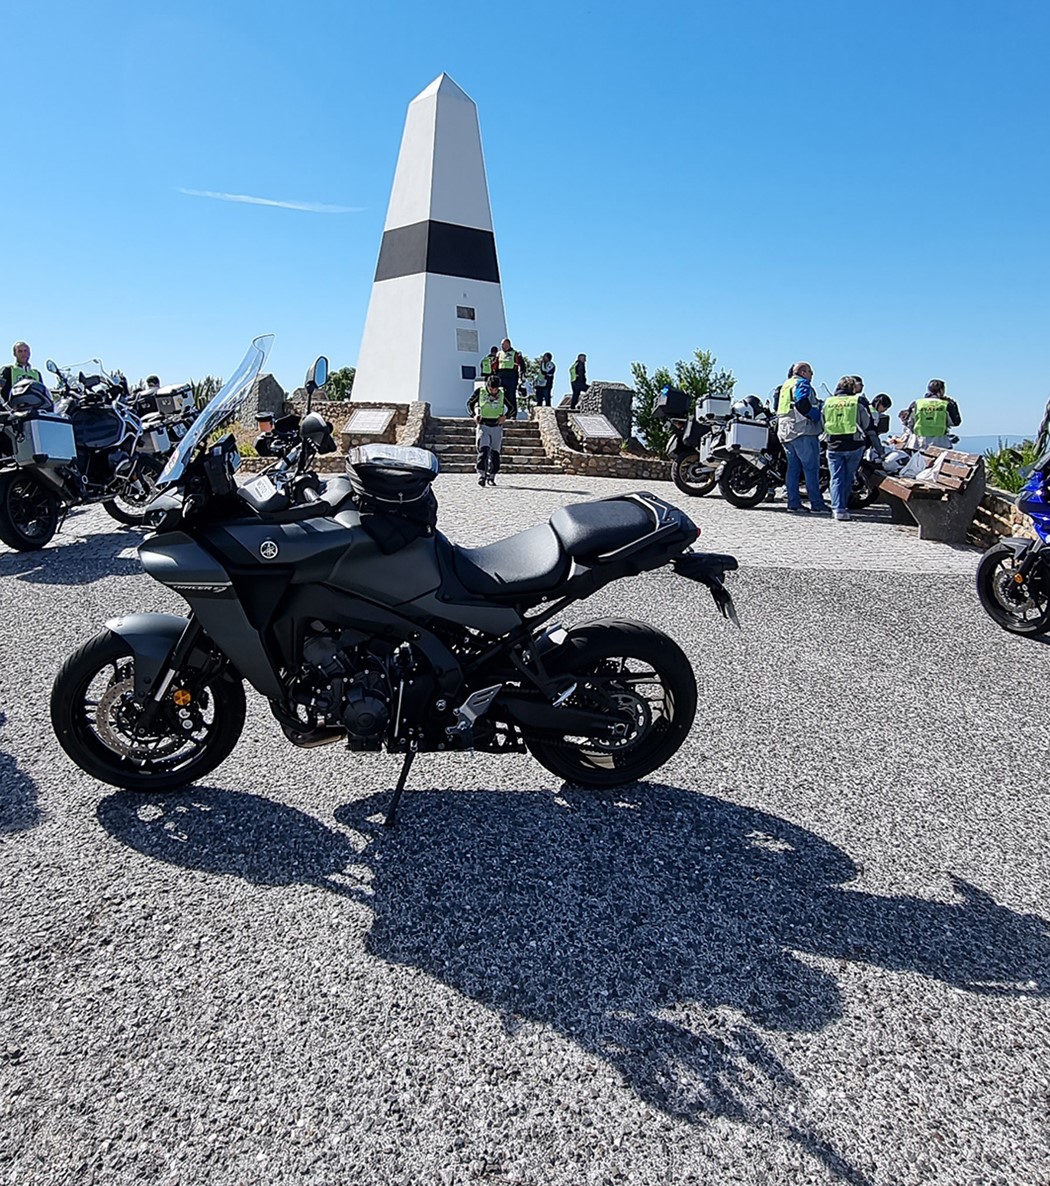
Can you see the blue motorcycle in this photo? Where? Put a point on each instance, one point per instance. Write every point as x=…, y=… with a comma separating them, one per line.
x=1013, y=577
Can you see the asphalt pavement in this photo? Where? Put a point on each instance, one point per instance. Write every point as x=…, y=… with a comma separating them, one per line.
x=813, y=948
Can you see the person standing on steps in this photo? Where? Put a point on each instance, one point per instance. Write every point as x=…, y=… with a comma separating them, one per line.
x=507, y=364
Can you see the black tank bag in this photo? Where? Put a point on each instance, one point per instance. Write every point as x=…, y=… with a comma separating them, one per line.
x=392, y=491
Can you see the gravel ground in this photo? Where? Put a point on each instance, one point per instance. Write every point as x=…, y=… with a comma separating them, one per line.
x=814, y=949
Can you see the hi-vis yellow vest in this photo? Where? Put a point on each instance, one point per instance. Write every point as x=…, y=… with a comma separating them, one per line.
x=486, y=365
x=931, y=417
x=787, y=393
x=506, y=360
x=18, y=372
x=491, y=404
x=840, y=415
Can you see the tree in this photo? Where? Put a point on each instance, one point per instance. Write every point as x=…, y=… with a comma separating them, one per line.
x=340, y=383
x=204, y=389
x=699, y=377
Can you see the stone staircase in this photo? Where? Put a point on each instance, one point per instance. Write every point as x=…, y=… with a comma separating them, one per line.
x=452, y=439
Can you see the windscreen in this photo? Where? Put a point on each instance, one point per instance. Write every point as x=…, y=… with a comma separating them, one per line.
x=220, y=410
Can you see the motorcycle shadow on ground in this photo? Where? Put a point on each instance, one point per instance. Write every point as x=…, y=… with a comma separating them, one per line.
x=658, y=929
x=18, y=795
x=80, y=559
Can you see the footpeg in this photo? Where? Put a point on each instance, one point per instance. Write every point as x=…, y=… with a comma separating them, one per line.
x=476, y=705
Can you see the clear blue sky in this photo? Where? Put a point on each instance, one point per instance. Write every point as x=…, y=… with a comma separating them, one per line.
x=861, y=185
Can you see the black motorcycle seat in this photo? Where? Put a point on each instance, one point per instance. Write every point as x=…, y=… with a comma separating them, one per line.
x=590, y=529
x=530, y=562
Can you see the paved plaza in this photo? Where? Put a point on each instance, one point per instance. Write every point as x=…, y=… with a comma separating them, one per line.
x=814, y=948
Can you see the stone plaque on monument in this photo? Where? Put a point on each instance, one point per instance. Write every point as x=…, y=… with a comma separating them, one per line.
x=370, y=421
x=595, y=426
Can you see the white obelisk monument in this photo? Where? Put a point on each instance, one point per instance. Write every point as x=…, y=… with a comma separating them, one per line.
x=436, y=304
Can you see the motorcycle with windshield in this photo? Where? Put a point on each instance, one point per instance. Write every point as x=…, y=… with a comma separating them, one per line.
x=84, y=445
x=1013, y=576
x=359, y=622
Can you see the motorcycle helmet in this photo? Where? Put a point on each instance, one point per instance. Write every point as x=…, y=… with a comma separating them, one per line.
x=894, y=461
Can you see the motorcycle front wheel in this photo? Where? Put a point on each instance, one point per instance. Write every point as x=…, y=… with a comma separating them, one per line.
x=94, y=715
x=28, y=512
x=691, y=477
x=620, y=667
x=129, y=506
x=742, y=484
x=1020, y=605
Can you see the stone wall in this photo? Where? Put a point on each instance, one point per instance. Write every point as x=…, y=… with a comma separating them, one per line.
x=996, y=517
x=554, y=428
x=410, y=432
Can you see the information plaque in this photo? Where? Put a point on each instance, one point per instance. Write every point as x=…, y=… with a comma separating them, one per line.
x=595, y=426
x=370, y=421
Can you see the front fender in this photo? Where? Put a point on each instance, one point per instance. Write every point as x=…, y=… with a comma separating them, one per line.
x=1019, y=545
x=152, y=638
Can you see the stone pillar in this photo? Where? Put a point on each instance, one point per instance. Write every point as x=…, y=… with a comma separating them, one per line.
x=613, y=401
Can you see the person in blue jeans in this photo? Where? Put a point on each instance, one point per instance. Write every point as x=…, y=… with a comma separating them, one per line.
x=799, y=425
x=849, y=427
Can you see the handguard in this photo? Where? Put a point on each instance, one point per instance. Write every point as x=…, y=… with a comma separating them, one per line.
x=709, y=568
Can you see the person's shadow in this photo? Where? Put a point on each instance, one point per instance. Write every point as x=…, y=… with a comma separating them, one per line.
x=18, y=794
x=656, y=928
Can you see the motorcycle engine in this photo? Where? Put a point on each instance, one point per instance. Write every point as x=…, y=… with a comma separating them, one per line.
x=348, y=681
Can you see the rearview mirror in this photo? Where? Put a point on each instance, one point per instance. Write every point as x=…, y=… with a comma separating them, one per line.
x=317, y=375
x=52, y=366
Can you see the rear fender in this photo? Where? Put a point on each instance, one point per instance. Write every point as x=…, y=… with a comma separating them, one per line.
x=152, y=638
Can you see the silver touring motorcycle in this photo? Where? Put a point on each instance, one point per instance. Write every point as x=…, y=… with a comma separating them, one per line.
x=359, y=622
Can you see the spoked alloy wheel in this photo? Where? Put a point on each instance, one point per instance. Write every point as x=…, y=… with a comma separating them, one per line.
x=691, y=477
x=94, y=715
x=129, y=506
x=28, y=512
x=742, y=484
x=1020, y=605
x=630, y=670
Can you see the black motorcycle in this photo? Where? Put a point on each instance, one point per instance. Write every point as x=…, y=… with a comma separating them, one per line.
x=694, y=468
x=359, y=622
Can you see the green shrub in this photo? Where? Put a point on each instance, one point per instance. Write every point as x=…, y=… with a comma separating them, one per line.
x=697, y=378
x=1004, y=464
x=340, y=383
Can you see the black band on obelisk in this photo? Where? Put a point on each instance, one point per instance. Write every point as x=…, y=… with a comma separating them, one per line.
x=442, y=248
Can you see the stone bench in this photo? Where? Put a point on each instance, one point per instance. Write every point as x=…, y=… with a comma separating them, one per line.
x=944, y=507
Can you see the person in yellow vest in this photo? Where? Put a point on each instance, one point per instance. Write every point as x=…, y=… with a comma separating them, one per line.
x=578, y=378
x=507, y=368
x=490, y=363
x=799, y=427
x=850, y=428
x=929, y=418
x=488, y=406
x=20, y=369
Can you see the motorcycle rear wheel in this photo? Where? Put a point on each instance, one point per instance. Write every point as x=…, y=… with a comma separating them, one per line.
x=692, y=478
x=626, y=667
x=28, y=512
x=130, y=505
x=93, y=715
x=1020, y=608
x=742, y=485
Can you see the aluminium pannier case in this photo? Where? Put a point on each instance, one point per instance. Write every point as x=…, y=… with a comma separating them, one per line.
x=671, y=404
x=747, y=436
x=173, y=400
x=44, y=439
x=715, y=406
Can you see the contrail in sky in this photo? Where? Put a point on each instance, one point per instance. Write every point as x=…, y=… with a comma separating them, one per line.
x=311, y=207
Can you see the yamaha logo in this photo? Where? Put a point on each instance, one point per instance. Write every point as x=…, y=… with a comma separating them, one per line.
x=268, y=550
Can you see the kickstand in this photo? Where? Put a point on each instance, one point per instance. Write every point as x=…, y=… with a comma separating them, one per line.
x=391, y=813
